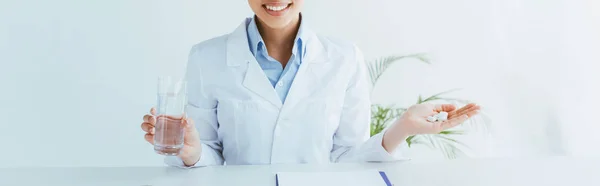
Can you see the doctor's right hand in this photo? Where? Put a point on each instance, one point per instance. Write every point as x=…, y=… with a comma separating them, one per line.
x=190, y=153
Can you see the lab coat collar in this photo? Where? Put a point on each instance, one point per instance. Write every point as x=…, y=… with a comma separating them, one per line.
x=255, y=80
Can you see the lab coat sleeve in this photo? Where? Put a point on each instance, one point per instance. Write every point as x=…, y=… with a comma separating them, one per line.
x=201, y=108
x=351, y=142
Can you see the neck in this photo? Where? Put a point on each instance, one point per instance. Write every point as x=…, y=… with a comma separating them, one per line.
x=279, y=38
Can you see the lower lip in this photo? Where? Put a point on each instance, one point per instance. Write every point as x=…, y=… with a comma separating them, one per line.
x=277, y=13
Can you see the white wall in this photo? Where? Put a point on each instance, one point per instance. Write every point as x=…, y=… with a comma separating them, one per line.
x=580, y=97
x=531, y=63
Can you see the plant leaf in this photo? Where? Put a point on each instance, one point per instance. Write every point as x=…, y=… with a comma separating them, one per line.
x=409, y=140
x=418, y=139
x=377, y=67
x=453, y=141
x=450, y=132
x=450, y=151
x=445, y=92
x=448, y=148
x=436, y=96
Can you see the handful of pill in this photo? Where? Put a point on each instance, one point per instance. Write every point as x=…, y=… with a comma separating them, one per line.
x=442, y=116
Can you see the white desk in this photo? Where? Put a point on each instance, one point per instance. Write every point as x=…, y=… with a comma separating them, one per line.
x=488, y=172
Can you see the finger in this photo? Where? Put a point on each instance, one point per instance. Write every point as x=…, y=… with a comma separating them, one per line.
x=148, y=127
x=149, y=138
x=464, y=108
x=444, y=107
x=473, y=108
x=153, y=111
x=188, y=124
x=461, y=111
x=172, y=117
x=149, y=118
x=458, y=120
x=191, y=134
x=473, y=113
x=453, y=122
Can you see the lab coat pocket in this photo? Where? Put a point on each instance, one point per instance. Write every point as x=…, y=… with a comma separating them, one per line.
x=251, y=123
x=323, y=117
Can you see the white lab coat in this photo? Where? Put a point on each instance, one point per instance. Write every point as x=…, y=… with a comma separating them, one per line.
x=241, y=119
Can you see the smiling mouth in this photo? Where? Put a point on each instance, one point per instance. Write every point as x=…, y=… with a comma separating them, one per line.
x=276, y=7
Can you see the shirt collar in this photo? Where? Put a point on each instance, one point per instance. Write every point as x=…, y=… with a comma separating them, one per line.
x=256, y=41
x=254, y=38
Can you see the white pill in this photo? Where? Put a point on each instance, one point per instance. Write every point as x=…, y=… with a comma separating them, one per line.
x=442, y=116
x=431, y=118
x=442, y=119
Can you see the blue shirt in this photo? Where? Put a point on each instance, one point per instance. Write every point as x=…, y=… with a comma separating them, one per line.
x=281, y=78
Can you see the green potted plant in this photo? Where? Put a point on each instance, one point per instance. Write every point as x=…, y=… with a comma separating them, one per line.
x=382, y=115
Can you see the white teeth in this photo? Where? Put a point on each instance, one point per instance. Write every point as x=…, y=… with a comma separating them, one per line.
x=276, y=8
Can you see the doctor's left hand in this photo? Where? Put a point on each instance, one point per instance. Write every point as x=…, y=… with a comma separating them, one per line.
x=414, y=121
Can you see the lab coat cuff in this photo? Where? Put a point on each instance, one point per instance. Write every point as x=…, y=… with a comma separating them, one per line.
x=175, y=161
x=208, y=156
x=383, y=155
x=204, y=160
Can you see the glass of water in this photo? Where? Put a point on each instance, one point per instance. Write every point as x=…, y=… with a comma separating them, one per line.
x=171, y=102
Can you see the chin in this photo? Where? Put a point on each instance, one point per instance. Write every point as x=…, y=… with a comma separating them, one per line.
x=278, y=22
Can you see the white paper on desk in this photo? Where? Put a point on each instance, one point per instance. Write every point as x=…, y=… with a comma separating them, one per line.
x=346, y=178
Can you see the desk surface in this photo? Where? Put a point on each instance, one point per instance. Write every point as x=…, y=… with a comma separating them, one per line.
x=467, y=172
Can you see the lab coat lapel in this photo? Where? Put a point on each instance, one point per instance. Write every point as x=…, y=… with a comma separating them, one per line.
x=314, y=66
x=257, y=82
x=255, y=79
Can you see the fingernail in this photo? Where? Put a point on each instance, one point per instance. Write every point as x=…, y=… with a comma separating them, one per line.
x=152, y=131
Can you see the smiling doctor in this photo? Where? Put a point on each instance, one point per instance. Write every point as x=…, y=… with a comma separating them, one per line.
x=274, y=92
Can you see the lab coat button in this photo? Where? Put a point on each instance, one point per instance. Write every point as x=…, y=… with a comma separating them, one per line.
x=280, y=83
